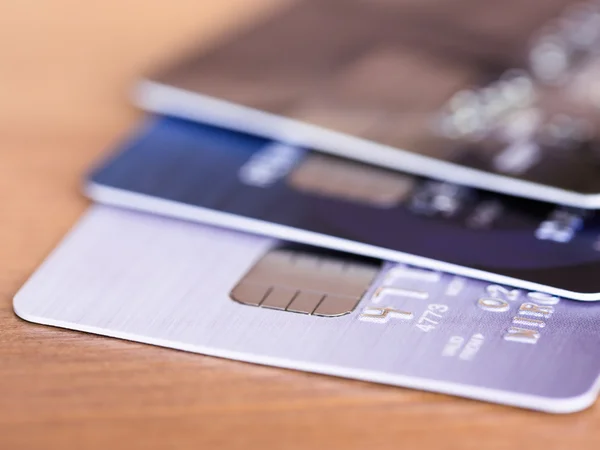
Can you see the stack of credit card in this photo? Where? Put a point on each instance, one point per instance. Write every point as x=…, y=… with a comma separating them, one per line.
x=339, y=189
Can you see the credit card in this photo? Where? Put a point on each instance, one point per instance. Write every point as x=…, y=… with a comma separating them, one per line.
x=207, y=174
x=217, y=292
x=469, y=99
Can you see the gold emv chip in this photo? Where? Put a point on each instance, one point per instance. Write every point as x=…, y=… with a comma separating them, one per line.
x=337, y=178
x=307, y=283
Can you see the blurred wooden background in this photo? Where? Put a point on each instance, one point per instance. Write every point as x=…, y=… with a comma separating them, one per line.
x=65, y=69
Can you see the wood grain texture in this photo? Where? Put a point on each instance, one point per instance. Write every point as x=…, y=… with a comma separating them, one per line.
x=65, y=67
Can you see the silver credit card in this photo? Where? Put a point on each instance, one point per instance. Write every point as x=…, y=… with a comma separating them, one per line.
x=222, y=293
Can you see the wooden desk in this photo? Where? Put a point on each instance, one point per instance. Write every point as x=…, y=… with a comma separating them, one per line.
x=65, y=67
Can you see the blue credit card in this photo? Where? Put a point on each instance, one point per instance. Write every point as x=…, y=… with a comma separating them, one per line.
x=203, y=173
x=218, y=292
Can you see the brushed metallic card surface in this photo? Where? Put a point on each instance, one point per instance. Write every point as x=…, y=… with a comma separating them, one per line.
x=166, y=282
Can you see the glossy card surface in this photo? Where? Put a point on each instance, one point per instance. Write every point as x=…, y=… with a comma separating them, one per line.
x=190, y=287
x=501, y=96
x=217, y=176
